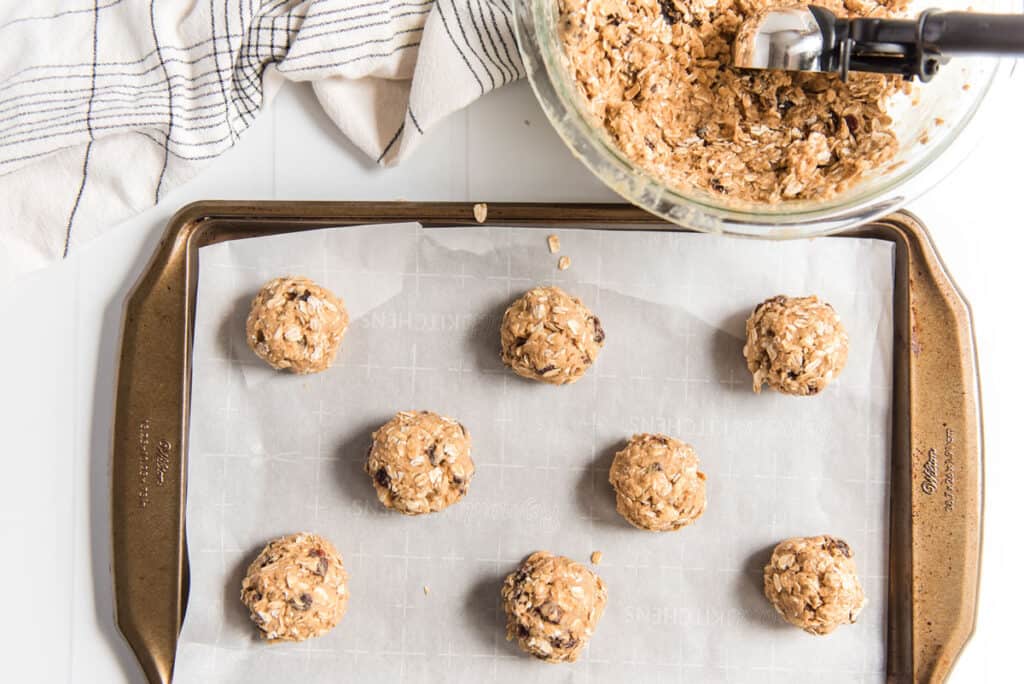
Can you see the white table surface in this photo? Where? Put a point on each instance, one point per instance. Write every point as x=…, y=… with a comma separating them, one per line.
x=59, y=333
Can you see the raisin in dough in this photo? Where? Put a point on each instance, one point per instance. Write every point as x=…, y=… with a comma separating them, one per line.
x=420, y=462
x=549, y=335
x=553, y=605
x=657, y=484
x=296, y=324
x=795, y=344
x=296, y=588
x=812, y=582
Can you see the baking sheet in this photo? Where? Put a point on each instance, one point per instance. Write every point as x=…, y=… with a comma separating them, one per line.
x=272, y=453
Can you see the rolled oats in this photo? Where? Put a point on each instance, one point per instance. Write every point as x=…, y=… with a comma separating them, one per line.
x=480, y=212
x=420, y=462
x=296, y=588
x=657, y=76
x=812, y=582
x=657, y=484
x=296, y=324
x=550, y=336
x=795, y=344
x=553, y=605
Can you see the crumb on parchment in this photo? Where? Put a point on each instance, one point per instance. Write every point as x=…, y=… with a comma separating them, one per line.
x=554, y=244
x=595, y=557
x=564, y=262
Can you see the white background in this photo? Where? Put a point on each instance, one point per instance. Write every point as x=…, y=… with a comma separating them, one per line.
x=59, y=336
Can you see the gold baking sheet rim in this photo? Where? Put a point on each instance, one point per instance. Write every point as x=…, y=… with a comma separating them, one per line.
x=937, y=462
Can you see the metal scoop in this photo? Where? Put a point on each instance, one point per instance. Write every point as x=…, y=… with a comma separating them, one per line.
x=814, y=39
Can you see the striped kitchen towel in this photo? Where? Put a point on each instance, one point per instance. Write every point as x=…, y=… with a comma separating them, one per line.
x=107, y=104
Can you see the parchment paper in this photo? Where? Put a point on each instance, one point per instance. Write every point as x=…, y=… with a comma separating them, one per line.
x=272, y=453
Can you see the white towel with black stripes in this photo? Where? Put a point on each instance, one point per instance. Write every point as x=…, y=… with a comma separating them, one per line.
x=107, y=104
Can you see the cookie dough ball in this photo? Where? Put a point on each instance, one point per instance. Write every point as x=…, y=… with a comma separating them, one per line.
x=296, y=588
x=553, y=605
x=550, y=336
x=812, y=582
x=657, y=484
x=420, y=462
x=795, y=344
x=296, y=324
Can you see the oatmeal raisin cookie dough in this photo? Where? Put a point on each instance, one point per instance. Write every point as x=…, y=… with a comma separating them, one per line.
x=657, y=484
x=553, y=605
x=797, y=345
x=549, y=335
x=420, y=462
x=656, y=75
x=296, y=324
x=296, y=588
x=812, y=582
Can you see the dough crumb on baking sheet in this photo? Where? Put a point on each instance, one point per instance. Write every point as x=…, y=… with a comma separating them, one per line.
x=480, y=212
x=563, y=263
x=554, y=244
x=657, y=76
x=596, y=557
x=426, y=590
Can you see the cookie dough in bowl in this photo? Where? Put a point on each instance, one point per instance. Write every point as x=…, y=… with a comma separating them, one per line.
x=296, y=588
x=797, y=345
x=657, y=484
x=812, y=582
x=553, y=605
x=646, y=96
x=295, y=324
x=420, y=462
x=550, y=336
x=658, y=76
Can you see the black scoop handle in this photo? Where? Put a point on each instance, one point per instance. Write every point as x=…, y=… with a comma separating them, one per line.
x=970, y=33
x=916, y=48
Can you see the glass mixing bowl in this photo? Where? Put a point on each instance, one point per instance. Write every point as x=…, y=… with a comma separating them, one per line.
x=932, y=128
